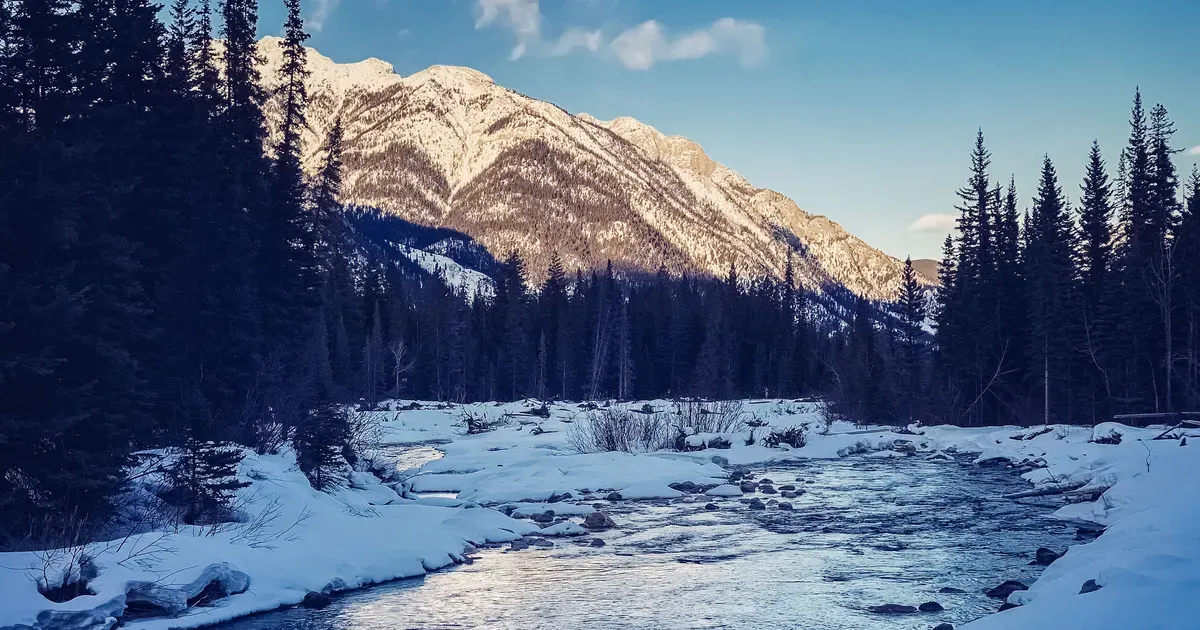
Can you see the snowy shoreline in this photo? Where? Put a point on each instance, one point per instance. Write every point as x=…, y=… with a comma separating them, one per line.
x=1148, y=561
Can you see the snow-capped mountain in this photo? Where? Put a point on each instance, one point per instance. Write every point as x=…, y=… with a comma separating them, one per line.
x=448, y=147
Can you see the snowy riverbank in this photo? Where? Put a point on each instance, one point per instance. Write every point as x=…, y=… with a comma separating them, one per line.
x=1147, y=563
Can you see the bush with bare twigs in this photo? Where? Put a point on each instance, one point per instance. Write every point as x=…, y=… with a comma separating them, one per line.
x=727, y=416
x=611, y=429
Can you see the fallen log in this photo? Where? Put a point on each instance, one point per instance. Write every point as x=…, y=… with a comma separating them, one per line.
x=1045, y=491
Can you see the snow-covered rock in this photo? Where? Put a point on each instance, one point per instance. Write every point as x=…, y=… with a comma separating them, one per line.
x=725, y=490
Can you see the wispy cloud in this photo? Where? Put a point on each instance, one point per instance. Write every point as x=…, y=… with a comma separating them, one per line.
x=524, y=17
x=646, y=44
x=322, y=10
x=1195, y=151
x=637, y=48
x=933, y=223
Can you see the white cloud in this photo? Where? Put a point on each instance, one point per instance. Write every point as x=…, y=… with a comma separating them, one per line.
x=574, y=38
x=524, y=17
x=322, y=9
x=936, y=223
x=646, y=44
x=1195, y=151
x=638, y=48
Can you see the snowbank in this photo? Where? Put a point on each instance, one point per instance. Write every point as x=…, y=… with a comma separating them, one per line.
x=317, y=540
x=1147, y=563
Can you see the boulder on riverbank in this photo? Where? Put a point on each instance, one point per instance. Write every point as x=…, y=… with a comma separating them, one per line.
x=931, y=607
x=1045, y=557
x=313, y=599
x=1006, y=588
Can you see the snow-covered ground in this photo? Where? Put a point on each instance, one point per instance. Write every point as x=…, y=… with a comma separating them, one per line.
x=1147, y=563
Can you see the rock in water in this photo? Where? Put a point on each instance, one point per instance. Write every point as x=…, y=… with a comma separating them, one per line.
x=931, y=607
x=757, y=504
x=950, y=589
x=598, y=521
x=596, y=542
x=711, y=506
x=892, y=609
x=544, y=517
x=944, y=626
x=788, y=487
x=613, y=496
x=313, y=599
x=1008, y=587
x=1089, y=586
x=748, y=487
x=784, y=505
x=518, y=545
x=1045, y=557
x=684, y=486
x=767, y=490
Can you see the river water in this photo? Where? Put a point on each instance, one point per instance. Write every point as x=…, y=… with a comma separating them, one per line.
x=867, y=532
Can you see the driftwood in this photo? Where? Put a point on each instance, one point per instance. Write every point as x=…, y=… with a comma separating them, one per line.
x=1047, y=490
x=1182, y=423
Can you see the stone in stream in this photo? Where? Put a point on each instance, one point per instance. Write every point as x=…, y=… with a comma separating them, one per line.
x=766, y=481
x=711, y=506
x=518, y=545
x=788, y=494
x=930, y=607
x=313, y=599
x=950, y=589
x=1045, y=557
x=596, y=542
x=1089, y=586
x=772, y=503
x=767, y=490
x=749, y=487
x=892, y=609
x=788, y=487
x=784, y=505
x=944, y=626
x=544, y=517
x=757, y=504
x=686, y=487
x=613, y=496
x=598, y=521
x=541, y=542
x=736, y=476
x=1006, y=588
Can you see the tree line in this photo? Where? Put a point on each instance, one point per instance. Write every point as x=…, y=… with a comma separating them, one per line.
x=1056, y=312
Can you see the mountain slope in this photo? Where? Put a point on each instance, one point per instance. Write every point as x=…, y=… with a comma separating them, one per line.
x=448, y=147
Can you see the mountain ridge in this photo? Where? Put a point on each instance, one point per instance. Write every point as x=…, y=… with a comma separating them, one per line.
x=447, y=146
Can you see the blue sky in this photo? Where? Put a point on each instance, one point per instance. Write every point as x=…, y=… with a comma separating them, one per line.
x=864, y=111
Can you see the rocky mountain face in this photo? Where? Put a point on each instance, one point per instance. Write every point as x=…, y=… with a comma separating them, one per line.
x=448, y=147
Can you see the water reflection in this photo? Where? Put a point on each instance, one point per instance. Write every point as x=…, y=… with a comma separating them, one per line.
x=865, y=533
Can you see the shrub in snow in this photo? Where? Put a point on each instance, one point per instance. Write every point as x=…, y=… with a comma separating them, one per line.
x=476, y=423
x=614, y=429
x=795, y=437
x=719, y=417
x=202, y=481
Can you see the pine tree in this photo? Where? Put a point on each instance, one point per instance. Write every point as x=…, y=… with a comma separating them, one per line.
x=912, y=313
x=1050, y=272
x=203, y=479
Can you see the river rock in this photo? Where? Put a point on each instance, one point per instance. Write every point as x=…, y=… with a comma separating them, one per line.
x=950, y=589
x=757, y=504
x=930, y=607
x=544, y=517
x=1006, y=588
x=784, y=505
x=767, y=490
x=711, y=506
x=944, y=626
x=892, y=609
x=766, y=481
x=596, y=542
x=102, y=617
x=313, y=599
x=1089, y=586
x=541, y=542
x=598, y=521
x=736, y=476
x=518, y=545
x=724, y=490
x=788, y=487
x=717, y=459
x=684, y=486
x=558, y=498
x=787, y=494
x=613, y=496
x=1045, y=557
x=748, y=487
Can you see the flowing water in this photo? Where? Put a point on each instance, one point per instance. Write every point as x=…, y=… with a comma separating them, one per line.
x=867, y=532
